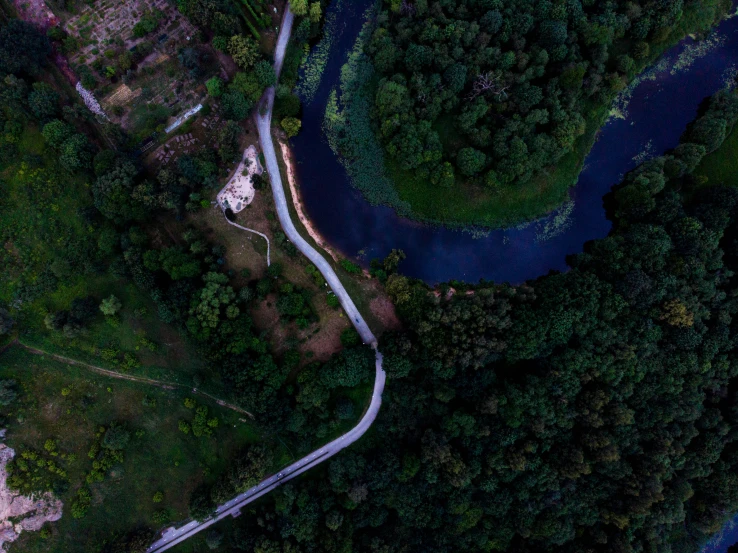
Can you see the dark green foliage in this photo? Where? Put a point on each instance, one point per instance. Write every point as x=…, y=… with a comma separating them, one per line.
x=116, y=437
x=264, y=72
x=147, y=24
x=504, y=85
x=350, y=267
x=470, y=161
x=113, y=193
x=234, y=105
x=286, y=104
x=43, y=101
x=350, y=338
x=23, y=49
x=249, y=468
x=194, y=59
x=553, y=415
x=213, y=539
x=103, y=162
x=6, y=322
x=135, y=541
x=201, y=506
x=8, y=392
x=228, y=136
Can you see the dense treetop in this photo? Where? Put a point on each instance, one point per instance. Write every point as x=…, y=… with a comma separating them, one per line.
x=589, y=411
x=495, y=92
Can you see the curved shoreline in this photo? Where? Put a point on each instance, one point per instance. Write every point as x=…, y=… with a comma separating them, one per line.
x=289, y=162
x=661, y=107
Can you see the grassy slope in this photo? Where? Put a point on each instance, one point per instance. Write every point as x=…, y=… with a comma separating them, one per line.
x=175, y=359
x=473, y=205
x=162, y=459
x=721, y=166
x=470, y=204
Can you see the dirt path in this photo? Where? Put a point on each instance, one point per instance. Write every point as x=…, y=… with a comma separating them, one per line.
x=141, y=379
x=38, y=13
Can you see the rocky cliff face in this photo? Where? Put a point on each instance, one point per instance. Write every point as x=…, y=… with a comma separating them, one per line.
x=19, y=512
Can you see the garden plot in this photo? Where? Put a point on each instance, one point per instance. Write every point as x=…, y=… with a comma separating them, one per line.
x=177, y=146
x=239, y=192
x=108, y=22
x=128, y=56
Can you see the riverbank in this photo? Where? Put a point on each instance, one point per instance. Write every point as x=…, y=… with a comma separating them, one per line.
x=661, y=105
x=468, y=203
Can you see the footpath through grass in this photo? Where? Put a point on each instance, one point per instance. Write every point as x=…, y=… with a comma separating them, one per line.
x=69, y=405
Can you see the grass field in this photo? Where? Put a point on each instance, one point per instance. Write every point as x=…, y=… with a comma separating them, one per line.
x=721, y=166
x=69, y=404
x=42, y=228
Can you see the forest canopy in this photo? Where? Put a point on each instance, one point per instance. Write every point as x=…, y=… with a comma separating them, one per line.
x=494, y=94
x=587, y=411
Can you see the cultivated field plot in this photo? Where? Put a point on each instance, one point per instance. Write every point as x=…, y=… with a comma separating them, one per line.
x=130, y=54
x=109, y=21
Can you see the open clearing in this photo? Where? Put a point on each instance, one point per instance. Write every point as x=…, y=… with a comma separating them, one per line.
x=69, y=404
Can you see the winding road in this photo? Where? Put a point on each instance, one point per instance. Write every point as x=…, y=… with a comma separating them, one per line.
x=172, y=536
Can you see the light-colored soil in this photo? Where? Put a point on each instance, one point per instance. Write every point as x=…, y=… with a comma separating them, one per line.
x=38, y=13
x=297, y=202
x=20, y=513
x=239, y=191
x=384, y=310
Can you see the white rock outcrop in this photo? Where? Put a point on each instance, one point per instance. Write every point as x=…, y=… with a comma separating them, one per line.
x=27, y=513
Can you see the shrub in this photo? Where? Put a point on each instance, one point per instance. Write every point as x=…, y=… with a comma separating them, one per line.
x=116, y=437
x=81, y=504
x=220, y=43
x=6, y=323
x=350, y=267
x=350, y=338
x=110, y=306
x=215, y=86
x=291, y=126
x=244, y=50
x=7, y=392
x=214, y=539
x=158, y=497
x=147, y=24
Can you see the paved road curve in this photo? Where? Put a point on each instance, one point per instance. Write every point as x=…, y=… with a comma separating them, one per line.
x=173, y=536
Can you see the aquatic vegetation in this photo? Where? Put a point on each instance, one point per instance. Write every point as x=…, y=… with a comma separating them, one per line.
x=556, y=223
x=348, y=127
x=647, y=153
x=692, y=52
x=316, y=61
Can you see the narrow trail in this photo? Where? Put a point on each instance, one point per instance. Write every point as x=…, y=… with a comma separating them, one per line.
x=173, y=536
x=141, y=379
x=264, y=236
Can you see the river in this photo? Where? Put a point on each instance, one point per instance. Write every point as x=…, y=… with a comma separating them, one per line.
x=659, y=110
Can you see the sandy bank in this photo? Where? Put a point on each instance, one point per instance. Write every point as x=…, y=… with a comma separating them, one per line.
x=297, y=202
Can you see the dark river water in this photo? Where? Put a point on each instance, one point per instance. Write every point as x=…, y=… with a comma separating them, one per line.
x=658, y=112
